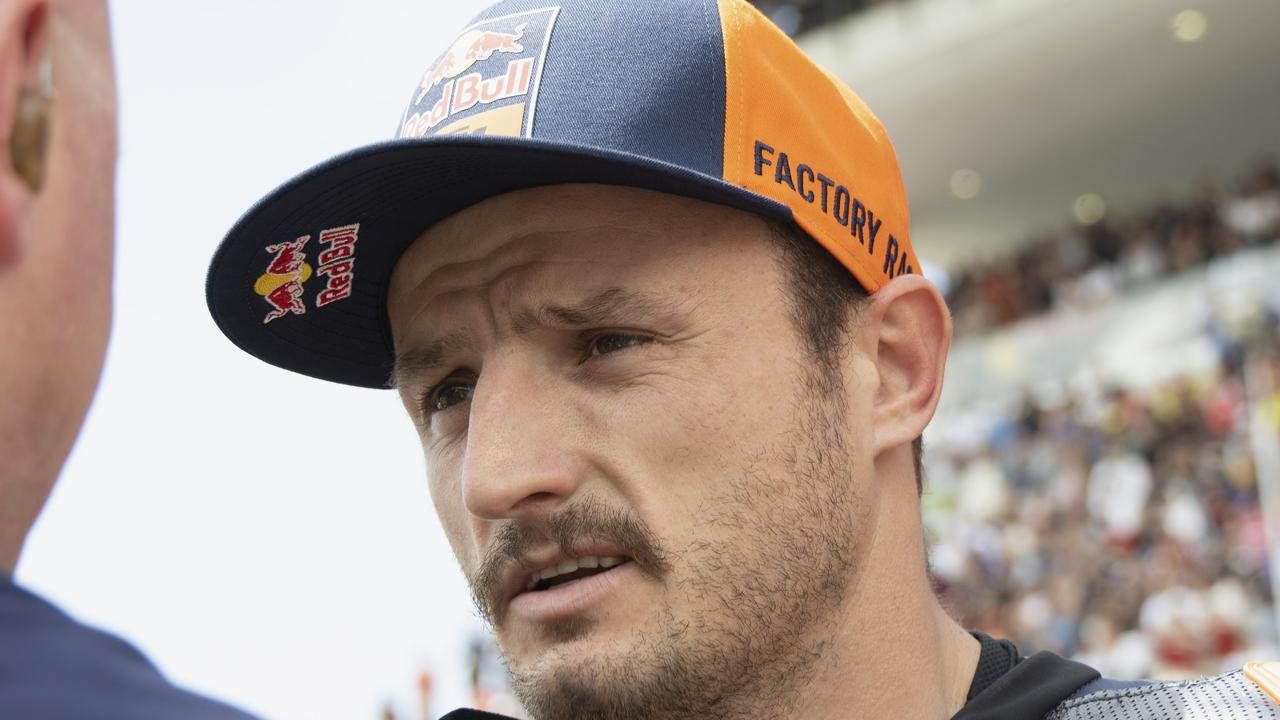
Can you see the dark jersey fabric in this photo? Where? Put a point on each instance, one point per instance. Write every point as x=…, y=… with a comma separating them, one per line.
x=1006, y=686
x=54, y=668
x=997, y=658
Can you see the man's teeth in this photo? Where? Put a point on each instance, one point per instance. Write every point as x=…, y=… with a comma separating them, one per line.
x=567, y=566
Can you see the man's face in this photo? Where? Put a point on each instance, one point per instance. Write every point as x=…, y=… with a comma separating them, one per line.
x=603, y=375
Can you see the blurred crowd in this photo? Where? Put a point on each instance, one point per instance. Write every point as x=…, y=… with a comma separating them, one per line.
x=1128, y=534
x=1086, y=265
x=1121, y=528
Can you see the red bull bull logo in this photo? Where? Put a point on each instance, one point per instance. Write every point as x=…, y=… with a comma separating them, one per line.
x=473, y=47
x=281, y=284
x=487, y=82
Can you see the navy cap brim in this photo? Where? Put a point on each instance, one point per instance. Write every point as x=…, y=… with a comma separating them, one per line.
x=396, y=190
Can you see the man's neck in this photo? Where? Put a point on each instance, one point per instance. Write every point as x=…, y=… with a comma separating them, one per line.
x=11, y=541
x=918, y=667
x=893, y=653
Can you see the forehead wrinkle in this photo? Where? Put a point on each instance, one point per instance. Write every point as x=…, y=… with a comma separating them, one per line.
x=431, y=352
x=593, y=309
x=425, y=301
x=512, y=253
x=488, y=294
x=521, y=244
x=493, y=276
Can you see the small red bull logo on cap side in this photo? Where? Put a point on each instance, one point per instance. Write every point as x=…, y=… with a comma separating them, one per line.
x=487, y=82
x=281, y=284
x=338, y=263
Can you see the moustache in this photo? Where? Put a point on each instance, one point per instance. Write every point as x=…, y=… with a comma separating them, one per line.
x=589, y=520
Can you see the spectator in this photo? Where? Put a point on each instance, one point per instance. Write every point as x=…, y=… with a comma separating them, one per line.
x=56, y=224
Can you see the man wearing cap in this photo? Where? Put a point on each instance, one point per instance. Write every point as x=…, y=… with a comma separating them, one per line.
x=57, y=107
x=641, y=274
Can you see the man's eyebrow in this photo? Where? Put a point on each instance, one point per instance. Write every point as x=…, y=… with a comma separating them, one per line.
x=429, y=358
x=596, y=308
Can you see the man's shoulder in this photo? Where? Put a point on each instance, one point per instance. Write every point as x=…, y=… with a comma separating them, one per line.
x=1252, y=692
x=54, y=667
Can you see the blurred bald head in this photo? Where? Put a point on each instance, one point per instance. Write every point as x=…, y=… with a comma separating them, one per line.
x=57, y=198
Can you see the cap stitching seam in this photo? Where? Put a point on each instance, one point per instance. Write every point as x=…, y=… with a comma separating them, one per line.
x=706, y=26
x=730, y=44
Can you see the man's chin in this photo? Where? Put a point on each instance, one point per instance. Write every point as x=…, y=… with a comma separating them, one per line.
x=557, y=643
x=570, y=630
x=583, y=675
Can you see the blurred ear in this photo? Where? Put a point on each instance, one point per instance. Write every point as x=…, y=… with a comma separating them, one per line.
x=911, y=325
x=24, y=31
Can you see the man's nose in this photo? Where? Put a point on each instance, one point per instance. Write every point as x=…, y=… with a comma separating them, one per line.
x=524, y=455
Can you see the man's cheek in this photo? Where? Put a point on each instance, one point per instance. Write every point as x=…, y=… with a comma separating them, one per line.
x=446, y=496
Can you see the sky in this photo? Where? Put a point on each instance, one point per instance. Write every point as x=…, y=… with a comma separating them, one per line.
x=264, y=537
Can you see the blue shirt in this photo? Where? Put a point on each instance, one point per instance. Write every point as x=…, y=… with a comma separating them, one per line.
x=54, y=668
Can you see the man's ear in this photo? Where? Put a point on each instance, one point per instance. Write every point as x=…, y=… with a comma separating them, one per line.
x=24, y=38
x=911, y=327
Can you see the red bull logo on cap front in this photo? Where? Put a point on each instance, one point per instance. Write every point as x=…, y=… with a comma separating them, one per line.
x=486, y=83
x=471, y=48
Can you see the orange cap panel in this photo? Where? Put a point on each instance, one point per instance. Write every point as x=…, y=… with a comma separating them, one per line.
x=798, y=135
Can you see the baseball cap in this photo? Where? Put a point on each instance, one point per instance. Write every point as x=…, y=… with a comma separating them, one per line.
x=701, y=98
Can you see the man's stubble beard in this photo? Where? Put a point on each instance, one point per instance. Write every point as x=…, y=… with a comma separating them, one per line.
x=769, y=593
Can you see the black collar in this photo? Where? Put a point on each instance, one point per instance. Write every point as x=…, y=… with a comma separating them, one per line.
x=1007, y=686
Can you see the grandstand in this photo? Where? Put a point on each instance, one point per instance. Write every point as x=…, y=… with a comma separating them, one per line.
x=1009, y=114
x=1113, y=510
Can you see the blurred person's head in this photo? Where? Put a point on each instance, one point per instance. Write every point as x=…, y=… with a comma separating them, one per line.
x=57, y=114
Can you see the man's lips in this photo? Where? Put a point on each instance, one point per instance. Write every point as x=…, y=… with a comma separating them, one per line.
x=545, y=568
x=572, y=598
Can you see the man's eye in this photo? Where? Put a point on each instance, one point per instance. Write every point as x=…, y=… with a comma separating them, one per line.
x=446, y=395
x=612, y=343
